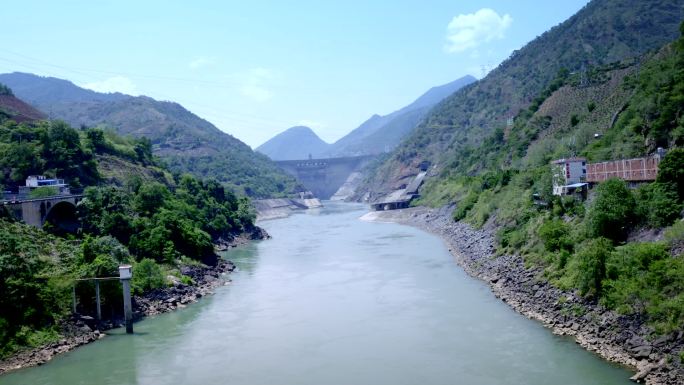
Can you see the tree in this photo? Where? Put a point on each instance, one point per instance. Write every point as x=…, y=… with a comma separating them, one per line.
x=4, y=90
x=555, y=235
x=658, y=204
x=65, y=157
x=592, y=257
x=613, y=212
x=150, y=198
x=96, y=139
x=22, y=160
x=671, y=171
x=143, y=150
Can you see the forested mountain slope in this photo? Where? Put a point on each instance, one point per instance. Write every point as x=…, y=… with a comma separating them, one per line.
x=623, y=248
x=185, y=141
x=604, y=31
x=133, y=211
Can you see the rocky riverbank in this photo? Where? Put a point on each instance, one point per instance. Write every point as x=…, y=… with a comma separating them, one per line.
x=80, y=330
x=254, y=233
x=623, y=339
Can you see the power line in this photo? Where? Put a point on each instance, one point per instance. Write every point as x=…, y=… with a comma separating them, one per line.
x=224, y=115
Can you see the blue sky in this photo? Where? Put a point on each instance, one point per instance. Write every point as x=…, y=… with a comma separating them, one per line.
x=255, y=68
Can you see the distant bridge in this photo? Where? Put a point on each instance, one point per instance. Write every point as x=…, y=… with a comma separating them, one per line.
x=324, y=177
x=60, y=211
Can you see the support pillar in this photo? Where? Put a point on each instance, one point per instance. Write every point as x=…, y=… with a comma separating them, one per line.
x=97, y=299
x=128, y=308
x=125, y=275
x=73, y=297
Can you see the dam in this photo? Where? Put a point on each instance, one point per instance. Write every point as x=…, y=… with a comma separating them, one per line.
x=323, y=177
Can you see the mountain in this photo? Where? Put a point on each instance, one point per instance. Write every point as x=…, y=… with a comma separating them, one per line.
x=47, y=92
x=186, y=142
x=16, y=109
x=297, y=142
x=381, y=133
x=604, y=31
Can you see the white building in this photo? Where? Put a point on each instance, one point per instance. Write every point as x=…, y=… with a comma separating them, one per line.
x=40, y=181
x=569, y=175
x=35, y=181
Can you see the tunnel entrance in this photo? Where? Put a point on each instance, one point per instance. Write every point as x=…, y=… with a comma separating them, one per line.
x=62, y=218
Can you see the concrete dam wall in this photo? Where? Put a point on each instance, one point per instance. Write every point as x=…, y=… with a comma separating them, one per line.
x=324, y=177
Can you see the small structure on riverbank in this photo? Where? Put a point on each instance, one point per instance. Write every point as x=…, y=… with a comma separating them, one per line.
x=401, y=199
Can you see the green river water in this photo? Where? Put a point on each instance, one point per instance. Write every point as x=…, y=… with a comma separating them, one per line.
x=334, y=300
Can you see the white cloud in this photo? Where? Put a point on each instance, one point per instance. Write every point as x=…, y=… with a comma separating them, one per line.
x=254, y=84
x=114, y=84
x=201, y=62
x=468, y=31
x=256, y=93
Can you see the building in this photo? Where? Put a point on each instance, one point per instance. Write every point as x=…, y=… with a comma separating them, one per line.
x=573, y=175
x=569, y=176
x=35, y=181
x=401, y=199
x=631, y=170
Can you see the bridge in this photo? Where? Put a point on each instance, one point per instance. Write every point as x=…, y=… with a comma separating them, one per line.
x=323, y=177
x=59, y=211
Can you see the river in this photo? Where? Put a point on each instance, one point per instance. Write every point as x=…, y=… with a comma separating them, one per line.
x=334, y=300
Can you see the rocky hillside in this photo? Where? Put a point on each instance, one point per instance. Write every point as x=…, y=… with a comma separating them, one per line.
x=185, y=141
x=382, y=133
x=16, y=109
x=294, y=143
x=604, y=31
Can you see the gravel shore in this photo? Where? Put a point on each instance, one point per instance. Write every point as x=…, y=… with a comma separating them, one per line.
x=623, y=339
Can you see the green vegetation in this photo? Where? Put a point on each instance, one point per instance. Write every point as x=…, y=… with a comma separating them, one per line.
x=245, y=172
x=52, y=149
x=181, y=139
x=458, y=126
x=612, y=213
x=153, y=220
x=158, y=223
x=42, y=192
x=148, y=276
x=584, y=246
x=34, y=290
x=4, y=90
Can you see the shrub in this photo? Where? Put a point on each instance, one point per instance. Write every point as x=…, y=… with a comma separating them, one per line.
x=574, y=119
x=658, y=205
x=465, y=205
x=147, y=275
x=555, y=235
x=591, y=266
x=613, y=211
x=671, y=171
x=674, y=235
x=43, y=192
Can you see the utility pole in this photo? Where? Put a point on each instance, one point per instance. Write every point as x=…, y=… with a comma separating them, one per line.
x=125, y=275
